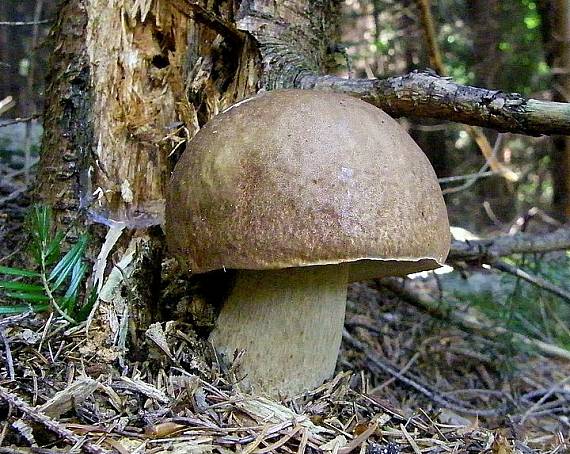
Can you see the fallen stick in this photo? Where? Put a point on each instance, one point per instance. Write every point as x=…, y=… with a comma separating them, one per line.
x=522, y=243
x=50, y=423
x=467, y=321
x=534, y=280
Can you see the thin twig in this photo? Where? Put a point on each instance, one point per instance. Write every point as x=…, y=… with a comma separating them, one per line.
x=475, y=177
x=432, y=395
x=13, y=195
x=468, y=321
x=551, y=391
x=6, y=424
x=403, y=370
x=534, y=280
x=49, y=423
x=13, y=319
x=23, y=23
x=8, y=354
x=469, y=176
x=19, y=120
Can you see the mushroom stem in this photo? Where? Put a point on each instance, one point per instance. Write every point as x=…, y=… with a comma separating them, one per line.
x=289, y=322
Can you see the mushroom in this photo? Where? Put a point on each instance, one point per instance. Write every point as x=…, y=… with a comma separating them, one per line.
x=300, y=192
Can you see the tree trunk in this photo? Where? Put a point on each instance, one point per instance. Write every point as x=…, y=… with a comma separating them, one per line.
x=128, y=83
x=555, y=15
x=484, y=16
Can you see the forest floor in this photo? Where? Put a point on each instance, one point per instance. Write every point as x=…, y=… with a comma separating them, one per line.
x=407, y=382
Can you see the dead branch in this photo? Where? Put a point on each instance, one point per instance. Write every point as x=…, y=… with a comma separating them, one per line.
x=421, y=94
x=24, y=23
x=485, y=250
x=424, y=94
x=467, y=320
x=534, y=280
x=19, y=120
x=435, y=58
x=8, y=355
x=49, y=423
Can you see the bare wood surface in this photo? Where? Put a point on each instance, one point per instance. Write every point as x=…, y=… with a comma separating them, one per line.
x=6, y=104
x=507, y=245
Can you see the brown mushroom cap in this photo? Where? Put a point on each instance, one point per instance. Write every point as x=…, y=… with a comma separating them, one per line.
x=299, y=178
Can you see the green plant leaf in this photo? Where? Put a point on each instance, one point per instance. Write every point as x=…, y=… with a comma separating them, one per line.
x=70, y=296
x=18, y=272
x=52, y=250
x=31, y=297
x=66, y=264
x=77, y=275
x=39, y=222
x=45, y=247
x=22, y=308
x=21, y=287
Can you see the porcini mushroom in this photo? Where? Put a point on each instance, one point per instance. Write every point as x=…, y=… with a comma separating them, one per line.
x=301, y=192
